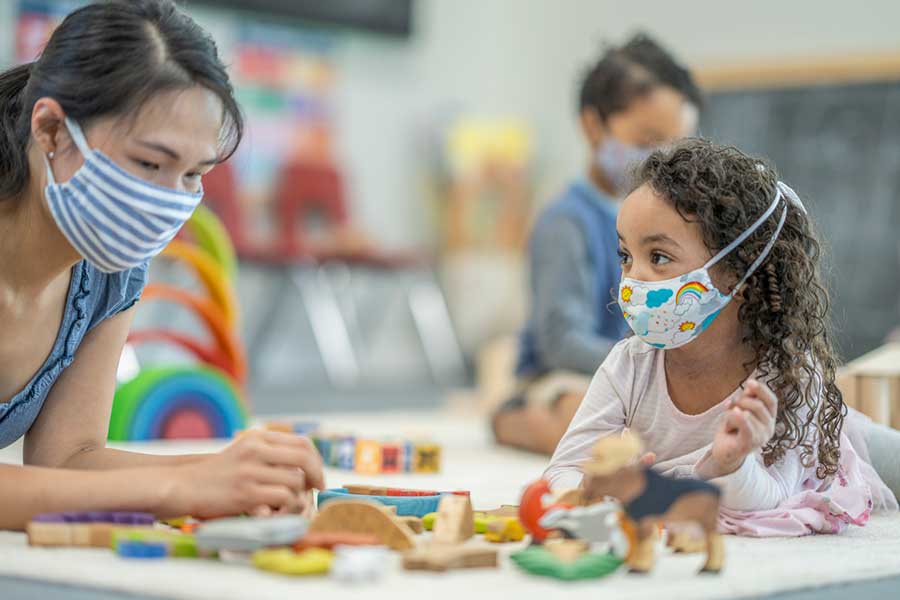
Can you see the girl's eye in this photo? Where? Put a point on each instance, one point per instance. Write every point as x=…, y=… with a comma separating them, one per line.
x=624, y=258
x=659, y=259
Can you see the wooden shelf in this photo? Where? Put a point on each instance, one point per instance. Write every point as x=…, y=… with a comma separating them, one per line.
x=799, y=72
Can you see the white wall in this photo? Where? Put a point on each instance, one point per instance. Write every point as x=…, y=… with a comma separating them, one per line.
x=524, y=57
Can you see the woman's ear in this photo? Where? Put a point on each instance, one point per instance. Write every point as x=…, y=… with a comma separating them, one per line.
x=48, y=126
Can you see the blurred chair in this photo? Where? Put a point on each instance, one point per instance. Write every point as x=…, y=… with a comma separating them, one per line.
x=316, y=251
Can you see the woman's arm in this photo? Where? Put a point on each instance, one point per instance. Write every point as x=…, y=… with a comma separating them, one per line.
x=71, y=430
x=259, y=469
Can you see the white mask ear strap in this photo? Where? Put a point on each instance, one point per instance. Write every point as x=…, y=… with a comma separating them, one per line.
x=78, y=137
x=747, y=233
x=792, y=196
x=765, y=253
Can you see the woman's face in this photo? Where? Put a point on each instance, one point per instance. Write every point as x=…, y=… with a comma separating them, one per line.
x=172, y=141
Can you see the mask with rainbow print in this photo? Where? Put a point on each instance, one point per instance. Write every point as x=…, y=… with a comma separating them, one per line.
x=669, y=314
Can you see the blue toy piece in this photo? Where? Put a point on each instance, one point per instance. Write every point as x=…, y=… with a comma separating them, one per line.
x=407, y=506
x=135, y=549
x=409, y=451
x=346, y=453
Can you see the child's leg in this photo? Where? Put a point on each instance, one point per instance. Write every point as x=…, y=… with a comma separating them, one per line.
x=536, y=428
x=883, y=444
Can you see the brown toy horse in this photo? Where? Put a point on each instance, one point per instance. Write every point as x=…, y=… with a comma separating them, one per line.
x=650, y=499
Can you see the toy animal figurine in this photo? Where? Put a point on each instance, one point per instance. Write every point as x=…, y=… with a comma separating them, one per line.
x=649, y=499
x=532, y=509
x=598, y=525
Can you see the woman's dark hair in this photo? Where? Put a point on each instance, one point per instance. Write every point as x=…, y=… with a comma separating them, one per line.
x=107, y=59
x=628, y=72
x=784, y=308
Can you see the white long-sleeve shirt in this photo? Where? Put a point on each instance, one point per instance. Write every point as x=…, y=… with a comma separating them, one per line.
x=630, y=390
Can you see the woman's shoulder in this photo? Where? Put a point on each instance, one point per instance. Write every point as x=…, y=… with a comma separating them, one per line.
x=112, y=293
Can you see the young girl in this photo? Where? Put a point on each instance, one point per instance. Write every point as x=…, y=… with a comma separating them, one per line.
x=730, y=374
x=103, y=143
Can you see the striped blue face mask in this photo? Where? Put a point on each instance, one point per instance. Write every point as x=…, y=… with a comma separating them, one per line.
x=115, y=220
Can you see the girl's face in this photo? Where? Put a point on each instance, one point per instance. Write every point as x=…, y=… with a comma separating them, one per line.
x=656, y=243
x=172, y=141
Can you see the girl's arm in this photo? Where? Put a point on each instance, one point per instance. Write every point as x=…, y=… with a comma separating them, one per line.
x=734, y=461
x=71, y=430
x=601, y=413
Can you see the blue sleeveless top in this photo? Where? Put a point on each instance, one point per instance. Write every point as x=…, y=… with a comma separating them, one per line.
x=93, y=297
x=595, y=215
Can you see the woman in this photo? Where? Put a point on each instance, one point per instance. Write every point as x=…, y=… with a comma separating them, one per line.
x=103, y=144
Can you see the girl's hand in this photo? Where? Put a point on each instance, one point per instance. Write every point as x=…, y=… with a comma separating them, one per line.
x=748, y=425
x=259, y=469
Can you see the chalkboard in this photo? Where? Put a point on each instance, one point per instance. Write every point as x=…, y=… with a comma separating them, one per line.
x=838, y=146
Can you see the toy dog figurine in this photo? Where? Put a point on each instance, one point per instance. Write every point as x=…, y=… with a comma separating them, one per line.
x=650, y=499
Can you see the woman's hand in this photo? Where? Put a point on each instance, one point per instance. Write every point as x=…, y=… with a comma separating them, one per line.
x=259, y=469
x=749, y=424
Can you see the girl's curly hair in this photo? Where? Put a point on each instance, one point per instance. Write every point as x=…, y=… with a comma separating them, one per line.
x=784, y=304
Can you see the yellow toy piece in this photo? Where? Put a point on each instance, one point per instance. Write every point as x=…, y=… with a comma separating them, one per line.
x=504, y=529
x=314, y=561
x=211, y=274
x=429, y=519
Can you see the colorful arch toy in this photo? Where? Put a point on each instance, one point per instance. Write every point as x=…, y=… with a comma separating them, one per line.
x=210, y=234
x=211, y=274
x=211, y=316
x=177, y=402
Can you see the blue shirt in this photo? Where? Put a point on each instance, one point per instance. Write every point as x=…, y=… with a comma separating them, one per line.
x=93, y=297
x=574, y=264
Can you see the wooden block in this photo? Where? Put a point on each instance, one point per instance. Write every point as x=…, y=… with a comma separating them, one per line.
x=848, y=384
x=455, y=521
x=365, y=517
x=506, y=510
x=329, y=540
x=567, y=550
x=414, y=523
x=391, y=458
x=368, y=457
x=93, y=535
x=443, y=558
x=427, y=458
x=894, y=392
x=49, y=534
x=874, y=401
x=366, y=490
x=279, y=426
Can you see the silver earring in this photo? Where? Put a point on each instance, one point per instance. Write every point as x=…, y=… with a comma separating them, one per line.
x=50, y=155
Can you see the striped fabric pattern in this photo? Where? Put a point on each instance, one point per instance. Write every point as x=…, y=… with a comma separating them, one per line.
x=114, y=219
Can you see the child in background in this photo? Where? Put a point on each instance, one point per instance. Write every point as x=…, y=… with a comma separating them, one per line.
x=635, y=98
x=730, y=374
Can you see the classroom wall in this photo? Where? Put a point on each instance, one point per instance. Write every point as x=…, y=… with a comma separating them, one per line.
x=523, y=57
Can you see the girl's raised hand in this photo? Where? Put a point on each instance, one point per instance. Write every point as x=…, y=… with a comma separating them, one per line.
x=259, y=469
x=749, y=424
